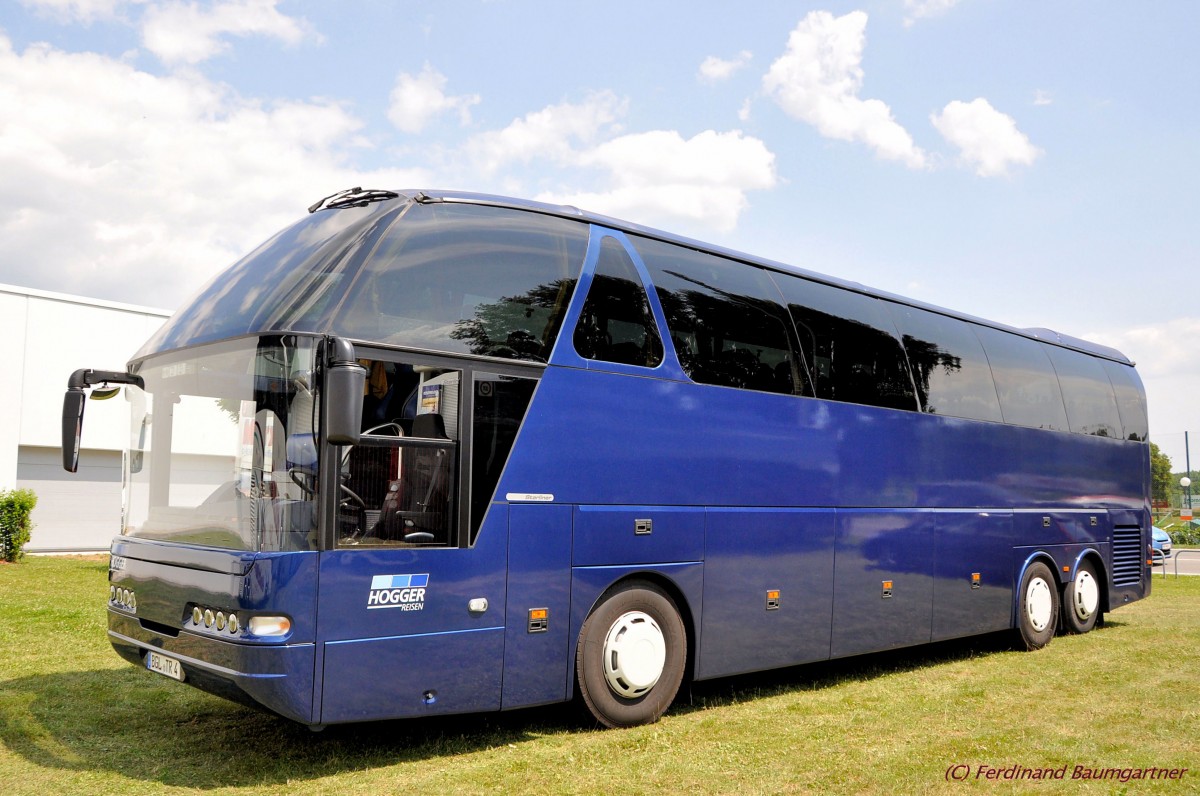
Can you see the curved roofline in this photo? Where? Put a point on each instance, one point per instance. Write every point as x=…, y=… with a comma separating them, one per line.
x=428, y=195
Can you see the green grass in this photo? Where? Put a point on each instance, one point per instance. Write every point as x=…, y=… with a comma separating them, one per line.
x=74, y=718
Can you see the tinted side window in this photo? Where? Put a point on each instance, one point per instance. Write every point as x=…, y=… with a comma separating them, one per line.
x=849, y=343
x=616, y=324
x=949, y=367
x=725, y=319
x=467, y=279
x=1025, y=380
x=1131, y=400
x=1087, y=393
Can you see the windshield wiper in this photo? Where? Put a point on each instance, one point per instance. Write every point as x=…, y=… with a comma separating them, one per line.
x=352, y=197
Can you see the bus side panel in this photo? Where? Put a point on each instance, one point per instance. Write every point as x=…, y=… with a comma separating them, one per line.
x=968, y=543
x=610, y=535
x=539, y=579
x=593, y=438
x=749, y=555
x=601, y=438
x=412, y=675
x=883, y=580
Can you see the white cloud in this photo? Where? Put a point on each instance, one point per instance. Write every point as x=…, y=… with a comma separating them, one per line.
x=660, y=177
x=417, y=99
x=714, y=69
x=124, y=185
x=656, y=177
x=919, y=9
x=1041, y=97
x=818, y=78
x=179, y=32
x=988, y=139
x=552, y=133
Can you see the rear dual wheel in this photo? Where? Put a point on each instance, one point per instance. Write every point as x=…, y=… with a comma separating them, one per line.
x=1081, y=600
x=1037, y=606
x=631, y=655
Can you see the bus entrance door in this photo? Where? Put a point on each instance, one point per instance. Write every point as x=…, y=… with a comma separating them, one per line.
x=411, y=630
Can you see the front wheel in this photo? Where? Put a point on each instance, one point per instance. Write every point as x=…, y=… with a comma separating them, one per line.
x=1037, y=606
x=631, y=655
x=1081, y=600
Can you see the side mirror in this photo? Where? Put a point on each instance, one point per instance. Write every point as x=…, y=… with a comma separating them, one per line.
x=345, y=382
x=72, y=427
x=72, y=416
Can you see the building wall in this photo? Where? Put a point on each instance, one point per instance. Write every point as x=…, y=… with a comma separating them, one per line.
x=46, y=337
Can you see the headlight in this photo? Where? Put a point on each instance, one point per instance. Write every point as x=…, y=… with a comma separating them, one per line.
x=269, y=625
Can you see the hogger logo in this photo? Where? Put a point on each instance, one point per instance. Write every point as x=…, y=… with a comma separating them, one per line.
x=406, y=592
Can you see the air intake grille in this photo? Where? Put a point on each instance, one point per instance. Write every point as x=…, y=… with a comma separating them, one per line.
x=1127, y=556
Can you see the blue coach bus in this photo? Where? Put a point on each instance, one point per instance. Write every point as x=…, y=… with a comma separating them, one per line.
x=428, y=453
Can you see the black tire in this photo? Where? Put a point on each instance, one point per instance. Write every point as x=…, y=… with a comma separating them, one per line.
x=1037, y=606
x=1081, y=600
x=633, y=689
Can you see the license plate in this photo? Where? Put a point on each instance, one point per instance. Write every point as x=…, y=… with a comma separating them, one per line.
x=164, y=665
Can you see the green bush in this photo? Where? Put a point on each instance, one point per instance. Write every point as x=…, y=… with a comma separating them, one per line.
x=16, y=506
x=1181, y=533
x=1184, y=536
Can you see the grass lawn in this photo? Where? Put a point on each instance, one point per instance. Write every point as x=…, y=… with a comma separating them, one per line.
x=74, y=718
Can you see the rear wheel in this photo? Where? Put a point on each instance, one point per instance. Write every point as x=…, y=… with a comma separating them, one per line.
x=1081, y=600
x=1037, y=606
x=631, y=655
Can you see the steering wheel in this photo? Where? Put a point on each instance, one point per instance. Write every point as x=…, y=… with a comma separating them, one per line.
x=349, y=496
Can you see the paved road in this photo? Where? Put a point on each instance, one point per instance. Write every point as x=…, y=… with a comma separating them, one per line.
x=1189, y=564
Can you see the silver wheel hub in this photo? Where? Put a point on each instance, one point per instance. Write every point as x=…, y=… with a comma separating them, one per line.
x=635, y=653
x=1039, y=604
x=1086, y=595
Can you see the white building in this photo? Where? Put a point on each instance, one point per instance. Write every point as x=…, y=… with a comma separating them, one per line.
x=48, y=336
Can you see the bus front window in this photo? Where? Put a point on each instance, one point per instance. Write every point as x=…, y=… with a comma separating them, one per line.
x=222, y=450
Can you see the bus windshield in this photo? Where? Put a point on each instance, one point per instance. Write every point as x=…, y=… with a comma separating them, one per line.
x=222, y=450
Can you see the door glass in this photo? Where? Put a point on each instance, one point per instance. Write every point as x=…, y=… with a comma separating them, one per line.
x=397, y=486
x=500, y=405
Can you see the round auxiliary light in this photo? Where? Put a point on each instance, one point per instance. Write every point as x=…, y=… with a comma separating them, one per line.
x=197, y=615
x=208, y=617
x=132, y=601
x=112, y=593
x=220, y=620
x=233, y=623
x=125, y=597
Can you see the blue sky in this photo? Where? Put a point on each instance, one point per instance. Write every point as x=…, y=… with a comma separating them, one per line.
x=1031, y=163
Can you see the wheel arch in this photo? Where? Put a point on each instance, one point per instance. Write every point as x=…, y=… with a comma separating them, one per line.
x=671, y=587
x=1093, y=556
x=1037, y=556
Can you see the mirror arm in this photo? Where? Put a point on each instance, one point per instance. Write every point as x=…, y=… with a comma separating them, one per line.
x=86, y=377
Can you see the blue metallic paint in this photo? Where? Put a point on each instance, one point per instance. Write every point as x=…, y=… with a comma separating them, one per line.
x=749, y=551
x=379, y=662
x=749, y=492
x=277, y=673
x=536, y=665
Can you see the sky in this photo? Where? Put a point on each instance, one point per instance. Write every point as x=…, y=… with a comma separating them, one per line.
x=1036, y=164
